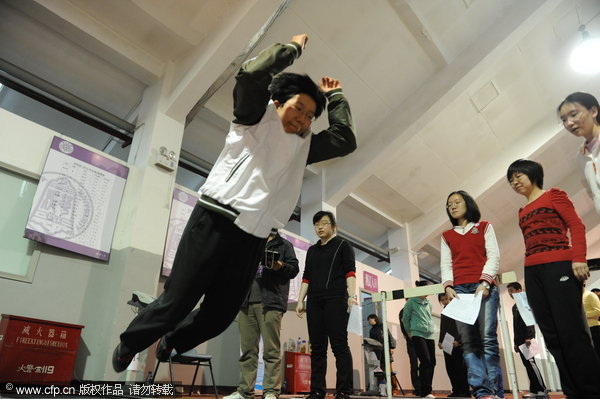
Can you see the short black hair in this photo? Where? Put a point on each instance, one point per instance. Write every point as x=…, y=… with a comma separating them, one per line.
x=472, y=215
x=373, y=316
x=516, y=285
x=286, y=85
x=441, y=295
x=595, y=289
x=585, y=99
x=533, y=170
x=319, y=215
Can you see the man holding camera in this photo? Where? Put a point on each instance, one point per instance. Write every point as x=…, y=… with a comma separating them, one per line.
x=261, y=314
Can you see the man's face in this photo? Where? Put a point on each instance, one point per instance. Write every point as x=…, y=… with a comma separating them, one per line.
x=372, y=322
x=512, y=291
x=597, y=293
x=324, y=228
x=297, y=113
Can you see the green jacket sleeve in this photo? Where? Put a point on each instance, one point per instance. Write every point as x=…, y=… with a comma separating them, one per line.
x=338, y=139
x=251, y=92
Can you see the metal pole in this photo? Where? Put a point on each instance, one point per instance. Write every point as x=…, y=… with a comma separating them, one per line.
x=386, y=346
x=510, y=361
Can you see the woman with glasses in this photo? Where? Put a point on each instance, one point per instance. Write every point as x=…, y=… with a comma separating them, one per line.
x=330, y=282
x=469, y=264
x=579, y=113
x=555, y=269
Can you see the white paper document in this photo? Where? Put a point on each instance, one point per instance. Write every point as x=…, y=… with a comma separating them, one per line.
x=465, y=308
x=355, y=320
x=524, y=308
x=531, y=350
x=448, y=343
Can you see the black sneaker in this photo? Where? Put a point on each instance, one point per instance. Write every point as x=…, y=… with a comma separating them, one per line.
x=120, y=361
x=314, y=395
x=163, y=350
x=342, y=395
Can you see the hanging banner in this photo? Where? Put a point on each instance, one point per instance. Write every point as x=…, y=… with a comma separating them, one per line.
x=77, y=200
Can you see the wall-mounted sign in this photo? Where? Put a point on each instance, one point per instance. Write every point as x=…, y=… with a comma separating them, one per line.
x=77, y=200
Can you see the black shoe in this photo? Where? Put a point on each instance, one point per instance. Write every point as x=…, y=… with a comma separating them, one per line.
x=342, y=395
x=163, y=350
x=120, y=362
x=314, y=395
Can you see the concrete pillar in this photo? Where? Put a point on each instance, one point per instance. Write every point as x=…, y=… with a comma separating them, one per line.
x=403, y=261
x=139, y=239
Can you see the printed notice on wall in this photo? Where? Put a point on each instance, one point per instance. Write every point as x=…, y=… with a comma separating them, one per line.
x=77, y=200
x=181, y=208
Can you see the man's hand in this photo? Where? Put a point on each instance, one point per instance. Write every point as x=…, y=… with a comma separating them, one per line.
x=440, y=345
x=329, y=83
x=455, y=344
x=300, y=309
x=450, y=293
x=277, y=265
x=484, y=291
x=301, y=39
x=581, y=270
x=528, y=342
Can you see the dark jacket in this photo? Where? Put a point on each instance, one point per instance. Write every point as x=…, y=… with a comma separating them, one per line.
x=275, y=284
x=376, y=333
x=327, y=268
x=448, y=325
x=521, y=331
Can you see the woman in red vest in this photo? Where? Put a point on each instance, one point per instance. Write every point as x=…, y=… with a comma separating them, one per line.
x=469, y=263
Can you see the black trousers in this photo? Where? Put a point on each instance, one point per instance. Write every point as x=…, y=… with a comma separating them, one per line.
x=595, y=331
x=414, y=365
x=555, y=296
x=215, y=259
x=536, y=382
x=327, y=319
x=457, y=372
x=425, y=349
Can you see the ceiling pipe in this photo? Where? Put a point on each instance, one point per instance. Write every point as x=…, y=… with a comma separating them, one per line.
x=236, y=63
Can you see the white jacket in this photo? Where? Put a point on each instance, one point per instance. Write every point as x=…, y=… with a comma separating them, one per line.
x=588, y=163
x=259, y=173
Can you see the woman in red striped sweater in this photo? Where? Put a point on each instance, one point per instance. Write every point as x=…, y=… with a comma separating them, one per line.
x=469, y=263
x=555, y=270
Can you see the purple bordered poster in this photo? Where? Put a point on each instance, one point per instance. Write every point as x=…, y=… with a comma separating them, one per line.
x=181, y=208
x=77, y=200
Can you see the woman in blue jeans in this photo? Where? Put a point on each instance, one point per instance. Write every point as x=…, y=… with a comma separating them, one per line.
x=469, y=264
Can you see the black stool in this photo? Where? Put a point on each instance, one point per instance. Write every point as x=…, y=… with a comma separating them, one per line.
x=191, y=358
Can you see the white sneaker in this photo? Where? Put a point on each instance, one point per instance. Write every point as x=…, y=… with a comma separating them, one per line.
x=270, y=395
x=430, y=396
x=235, y=395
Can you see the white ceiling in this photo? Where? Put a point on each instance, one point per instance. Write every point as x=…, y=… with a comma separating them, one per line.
x=445, y=93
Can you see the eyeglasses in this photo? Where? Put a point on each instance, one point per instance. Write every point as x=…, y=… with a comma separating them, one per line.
x=452, y=204
x=322, y=224
x=306, y=114
x=572, y=116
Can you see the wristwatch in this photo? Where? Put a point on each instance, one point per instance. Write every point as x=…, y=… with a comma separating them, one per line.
x=485, y=285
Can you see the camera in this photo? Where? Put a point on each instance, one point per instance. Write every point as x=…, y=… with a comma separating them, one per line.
x=270, y=258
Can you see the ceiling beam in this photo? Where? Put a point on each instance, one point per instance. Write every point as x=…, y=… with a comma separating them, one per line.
x=413, y=114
